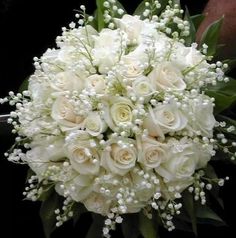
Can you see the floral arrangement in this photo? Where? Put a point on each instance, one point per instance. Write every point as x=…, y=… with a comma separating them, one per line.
x=123, y=117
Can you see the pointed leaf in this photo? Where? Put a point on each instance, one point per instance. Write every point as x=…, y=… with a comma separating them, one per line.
x=211, y=35
x=192, y=34
x=47, y=213
x=95, y=229
x=207, y=215
x=197, y=20
x=190, y=209
x=147, y=227
x=130, y=226
x=100, y=12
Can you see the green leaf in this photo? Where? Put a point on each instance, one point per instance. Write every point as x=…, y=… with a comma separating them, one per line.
x=95, y=229
x=189, y=205
x=100, y=12
x=192, y=36
x=78, y=209
x=130, y=226
x=210, y=172
x=211, y=35
x=231, y=63
x=24, y=85
x=47, y=191
x=141, y=7
x=47, y=213
x=197, y=20
x=206, y=215
x=147, y=227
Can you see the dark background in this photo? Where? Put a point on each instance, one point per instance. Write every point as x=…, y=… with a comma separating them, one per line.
x=27, y=29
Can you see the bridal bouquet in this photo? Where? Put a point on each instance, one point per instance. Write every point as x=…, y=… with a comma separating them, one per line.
x=122, y=119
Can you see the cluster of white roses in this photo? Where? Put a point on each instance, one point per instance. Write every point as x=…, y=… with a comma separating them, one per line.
x=118, y=119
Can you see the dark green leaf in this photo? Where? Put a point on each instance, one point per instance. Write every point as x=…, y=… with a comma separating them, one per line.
x=147, y=227
x=47, y=191
x=95, y=229
x=206, y=215
x=47, y=213
x=130, y=226
x=24, y=85
x=192, y=36
x=197, y=20
x=231, y=63
x=100, y=12
x=182, y=225
x=189, y=205
x=210, y=172
x=211, y=35
x=78, y=210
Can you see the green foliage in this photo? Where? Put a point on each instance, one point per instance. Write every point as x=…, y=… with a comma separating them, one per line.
x=147, y=227
x=95, y=229
x=224, y=94
x=141, y=7
x=197, y=20
x=47, y=213
x=211, y=35
x=189, y=206
x=99, y=15
x=130, y=226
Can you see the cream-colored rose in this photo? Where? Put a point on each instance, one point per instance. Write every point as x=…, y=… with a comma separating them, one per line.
x=119, y=160
x=152, y=153
x=96, y=82
x=94, y=124
x=83, y=158
x=132, y=25
x=131, y=67
x=164, y=119
x=40, y=157
x=142, y=87
x=182, y=161
x=97, y=203
x=202, y=118
x=166, y=76
x=79, y=187
x=63, y=113
x=67, y=81
x=118, y=111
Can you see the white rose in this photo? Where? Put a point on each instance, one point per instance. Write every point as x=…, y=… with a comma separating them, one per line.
x=63, y=113
x=97, y=203
x=166, y=76
x=132, y=25
x=83, y=158
x=67, y=81
x=164, y=119
x=94, y=124
x=40, y=157
x=152, y=153
x=142, y=87
x=106, y=51
x=79, y=187
x=96, y=82
x=119, y=160
x=131, y=67
x=202, y=118
x=185, y=57
x=118, y=110
x=182, y=162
